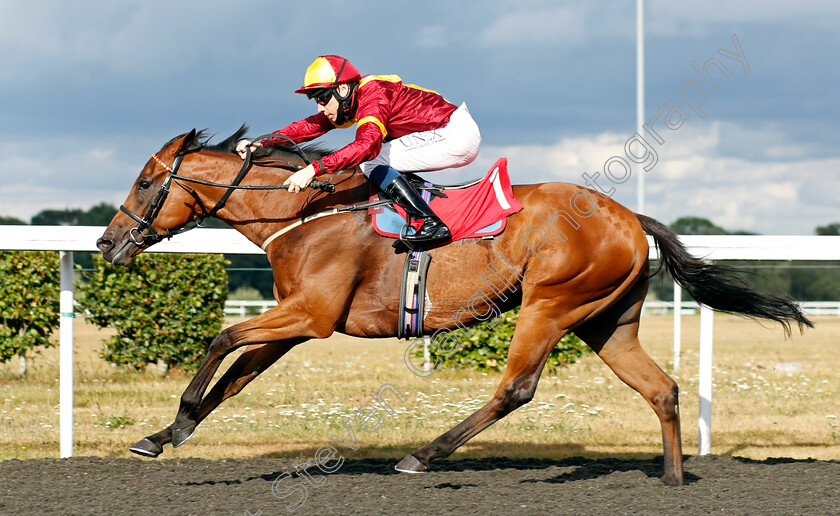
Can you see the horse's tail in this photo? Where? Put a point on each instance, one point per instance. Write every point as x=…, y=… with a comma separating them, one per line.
x=719, y=286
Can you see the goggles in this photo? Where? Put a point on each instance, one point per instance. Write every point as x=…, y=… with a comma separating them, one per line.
x=321, y=96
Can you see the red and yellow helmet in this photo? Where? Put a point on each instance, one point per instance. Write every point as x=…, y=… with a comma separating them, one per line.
x=328, y=72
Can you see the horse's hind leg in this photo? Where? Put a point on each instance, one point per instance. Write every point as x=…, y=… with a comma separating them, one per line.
x=536, y=334
x=613, y=335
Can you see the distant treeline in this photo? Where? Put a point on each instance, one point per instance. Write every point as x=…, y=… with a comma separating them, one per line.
x=805, y=281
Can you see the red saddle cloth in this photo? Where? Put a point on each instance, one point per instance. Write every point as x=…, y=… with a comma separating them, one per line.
x=475, y=210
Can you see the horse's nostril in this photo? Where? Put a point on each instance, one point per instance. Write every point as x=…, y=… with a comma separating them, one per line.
x=104, y=244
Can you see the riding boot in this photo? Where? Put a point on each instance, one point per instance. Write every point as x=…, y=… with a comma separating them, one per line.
x=433, y=231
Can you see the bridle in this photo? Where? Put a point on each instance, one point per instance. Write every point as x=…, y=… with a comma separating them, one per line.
x=145, y=223
x=138, y=237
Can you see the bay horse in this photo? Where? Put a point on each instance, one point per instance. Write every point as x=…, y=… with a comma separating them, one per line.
x=573, y=259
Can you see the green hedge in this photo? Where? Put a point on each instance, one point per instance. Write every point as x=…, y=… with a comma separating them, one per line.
x=486, y=348
x=29, y=304
x=166, y=308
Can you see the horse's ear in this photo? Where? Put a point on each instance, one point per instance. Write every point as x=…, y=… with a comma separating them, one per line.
x=189, y=143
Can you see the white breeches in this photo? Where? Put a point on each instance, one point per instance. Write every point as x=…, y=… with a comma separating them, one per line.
x=454, y=145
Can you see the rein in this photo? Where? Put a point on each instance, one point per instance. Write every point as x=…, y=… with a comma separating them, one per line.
x=145, y=223
x=138, y=236
x=334, y=211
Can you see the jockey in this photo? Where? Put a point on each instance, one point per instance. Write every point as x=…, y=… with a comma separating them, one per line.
x=399, y=127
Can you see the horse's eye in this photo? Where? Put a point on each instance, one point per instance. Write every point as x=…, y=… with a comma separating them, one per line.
x=144, y=184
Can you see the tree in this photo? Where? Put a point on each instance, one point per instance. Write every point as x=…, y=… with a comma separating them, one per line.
x=696, y=226
x=99, y=215
x=166, y=308
x=29, y=302
x=11, y=221
x=484, y=348
x=251, y=270
x=66, y=217
x=830, y=229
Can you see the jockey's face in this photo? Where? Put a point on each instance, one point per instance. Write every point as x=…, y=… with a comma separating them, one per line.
x=330, y=109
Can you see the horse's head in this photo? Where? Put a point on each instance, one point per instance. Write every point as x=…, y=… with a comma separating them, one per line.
x=164, y=202
x=151, y=210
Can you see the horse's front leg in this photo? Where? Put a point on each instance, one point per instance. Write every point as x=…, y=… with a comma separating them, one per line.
x=256, y=359
x=186, y=420
x=187, y=417
x=280, y=328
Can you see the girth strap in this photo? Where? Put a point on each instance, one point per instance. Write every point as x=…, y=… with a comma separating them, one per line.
x=413, y=294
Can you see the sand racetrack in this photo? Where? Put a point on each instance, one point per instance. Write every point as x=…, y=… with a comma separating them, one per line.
x=714, y=484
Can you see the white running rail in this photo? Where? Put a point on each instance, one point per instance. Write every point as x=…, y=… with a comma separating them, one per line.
x=67, y=239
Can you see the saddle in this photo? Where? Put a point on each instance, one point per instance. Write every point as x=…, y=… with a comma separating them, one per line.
x=477, y=209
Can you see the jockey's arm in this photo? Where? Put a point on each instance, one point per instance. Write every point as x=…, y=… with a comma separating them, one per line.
x=304, y=130
x=365, y=147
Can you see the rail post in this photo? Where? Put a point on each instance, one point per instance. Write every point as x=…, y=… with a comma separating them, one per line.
x=705, y=384
x=66, y=355
x=677, y=325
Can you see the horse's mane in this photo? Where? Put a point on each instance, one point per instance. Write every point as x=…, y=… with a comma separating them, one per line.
x=228, y=146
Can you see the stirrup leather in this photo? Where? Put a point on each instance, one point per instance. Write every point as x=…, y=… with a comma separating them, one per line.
x=433, y=230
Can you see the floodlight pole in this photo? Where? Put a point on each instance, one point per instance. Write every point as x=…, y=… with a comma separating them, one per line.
x=640, y=97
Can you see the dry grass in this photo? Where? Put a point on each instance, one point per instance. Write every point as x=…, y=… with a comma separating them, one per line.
x=772, y=398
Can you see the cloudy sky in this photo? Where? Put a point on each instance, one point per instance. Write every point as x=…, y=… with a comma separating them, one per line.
x=90, y=89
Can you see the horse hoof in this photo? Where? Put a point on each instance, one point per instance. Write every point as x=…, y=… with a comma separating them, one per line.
x=410, y=464
x=181, y=435
x=671, y=480
x=146, y=448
